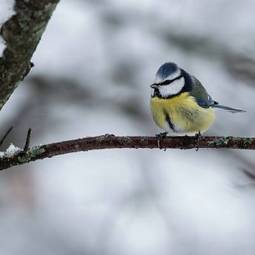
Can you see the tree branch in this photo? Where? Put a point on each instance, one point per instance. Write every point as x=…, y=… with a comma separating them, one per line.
x=114, y=142
x=22, y=33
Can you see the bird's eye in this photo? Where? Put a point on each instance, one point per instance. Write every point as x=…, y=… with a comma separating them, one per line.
x=166, y=82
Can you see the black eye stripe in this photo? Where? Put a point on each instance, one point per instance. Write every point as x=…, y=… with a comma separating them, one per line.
x=167, y=82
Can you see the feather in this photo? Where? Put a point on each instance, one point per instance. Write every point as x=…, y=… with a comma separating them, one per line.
x=233, y=110
x=200, y=94
x=204, y=99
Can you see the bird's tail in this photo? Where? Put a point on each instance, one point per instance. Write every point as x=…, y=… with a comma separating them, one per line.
x=233, y=110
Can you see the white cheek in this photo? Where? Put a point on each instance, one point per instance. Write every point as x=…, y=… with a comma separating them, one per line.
x=152, y=91
x=173, y=88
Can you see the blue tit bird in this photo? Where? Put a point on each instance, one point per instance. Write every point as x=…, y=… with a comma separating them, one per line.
x=180, y=103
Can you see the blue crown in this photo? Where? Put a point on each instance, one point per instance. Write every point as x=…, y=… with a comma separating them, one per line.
x=166, y=69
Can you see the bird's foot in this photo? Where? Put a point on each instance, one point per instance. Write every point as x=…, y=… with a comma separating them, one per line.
x=160, y=137
x=198, y=137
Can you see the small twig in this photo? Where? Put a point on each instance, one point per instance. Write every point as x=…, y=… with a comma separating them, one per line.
x=249, y=174
x=27, y=143
x=5, y=135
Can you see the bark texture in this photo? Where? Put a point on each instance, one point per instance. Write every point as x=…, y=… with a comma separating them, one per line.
x=22, y=33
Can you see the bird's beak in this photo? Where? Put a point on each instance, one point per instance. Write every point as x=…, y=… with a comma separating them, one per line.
x=154, y=85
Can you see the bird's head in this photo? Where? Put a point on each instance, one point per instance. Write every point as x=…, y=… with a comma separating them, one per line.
x=169, y=81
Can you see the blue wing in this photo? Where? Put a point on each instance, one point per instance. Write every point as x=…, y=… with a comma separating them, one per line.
x=200, y=94
x=205, y=100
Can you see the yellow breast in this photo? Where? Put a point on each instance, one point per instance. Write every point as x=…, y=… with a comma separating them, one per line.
x=185, y=115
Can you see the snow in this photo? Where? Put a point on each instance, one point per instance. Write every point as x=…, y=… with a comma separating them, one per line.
x=6, y=11
x=10, y=151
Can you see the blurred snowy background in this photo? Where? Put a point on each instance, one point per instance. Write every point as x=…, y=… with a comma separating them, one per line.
x=92, y=73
